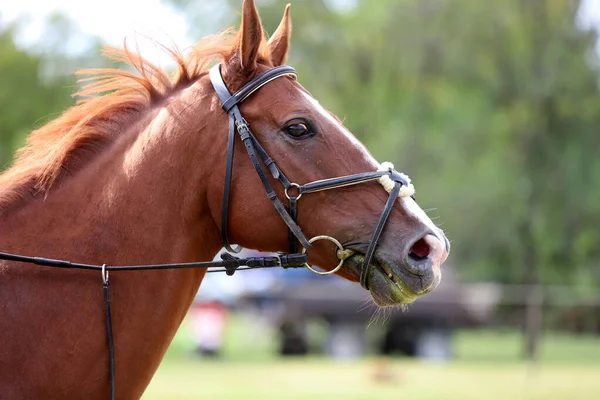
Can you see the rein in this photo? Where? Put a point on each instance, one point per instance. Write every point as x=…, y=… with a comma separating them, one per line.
x=397, y=184
x=229, y=264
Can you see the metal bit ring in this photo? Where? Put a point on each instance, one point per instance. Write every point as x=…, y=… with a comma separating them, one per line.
x=339, y=246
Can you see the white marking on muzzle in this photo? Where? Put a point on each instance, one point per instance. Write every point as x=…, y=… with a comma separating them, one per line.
x=408, y=203
x=355, y=142
x=413, y=209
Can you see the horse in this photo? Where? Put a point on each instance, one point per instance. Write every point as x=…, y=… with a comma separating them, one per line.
x=135, y=173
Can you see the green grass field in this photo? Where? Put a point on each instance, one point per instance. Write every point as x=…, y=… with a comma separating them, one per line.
x=487, y=366
x=317, y=379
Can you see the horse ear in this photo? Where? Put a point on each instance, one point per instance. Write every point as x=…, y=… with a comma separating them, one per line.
x=279, y=43
x=251, y=36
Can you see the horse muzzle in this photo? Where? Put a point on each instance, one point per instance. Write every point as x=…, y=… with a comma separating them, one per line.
x=401, y=277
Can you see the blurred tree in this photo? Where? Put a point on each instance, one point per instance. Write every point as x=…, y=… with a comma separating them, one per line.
x=491, y=107
x=38, y=81
x=26, y=100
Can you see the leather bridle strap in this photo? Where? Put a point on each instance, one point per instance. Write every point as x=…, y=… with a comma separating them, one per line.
x=326, y=184
x=231, y=101
x=228, y=263
x=364, y=271
x=227, y=190
x=349, y=180
x=255, y=151
x=257, y=154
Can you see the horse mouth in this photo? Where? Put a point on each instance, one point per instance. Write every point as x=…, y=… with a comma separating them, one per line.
x=386, y=286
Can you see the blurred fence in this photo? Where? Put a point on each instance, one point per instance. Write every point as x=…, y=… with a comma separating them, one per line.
x=351, y=326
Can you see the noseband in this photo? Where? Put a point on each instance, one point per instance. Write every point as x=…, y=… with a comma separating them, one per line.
x=397, y=184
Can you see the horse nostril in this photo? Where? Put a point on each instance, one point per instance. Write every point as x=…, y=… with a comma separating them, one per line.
x=419, y=250
x=429, y=246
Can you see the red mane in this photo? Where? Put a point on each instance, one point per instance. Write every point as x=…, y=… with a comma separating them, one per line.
x=110, y=101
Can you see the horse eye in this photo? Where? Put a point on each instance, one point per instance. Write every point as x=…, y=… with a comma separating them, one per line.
x=297, y=131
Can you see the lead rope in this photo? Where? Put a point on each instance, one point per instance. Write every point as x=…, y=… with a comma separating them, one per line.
x=109, y=335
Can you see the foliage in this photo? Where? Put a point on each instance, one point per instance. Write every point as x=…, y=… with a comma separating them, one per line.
x=26, y=101
x=491, y=106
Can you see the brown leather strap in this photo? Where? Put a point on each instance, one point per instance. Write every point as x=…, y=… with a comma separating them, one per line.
x=230, y=105
x=364, y=272
x=293, y=210
x=259, y=157
x=282, y=260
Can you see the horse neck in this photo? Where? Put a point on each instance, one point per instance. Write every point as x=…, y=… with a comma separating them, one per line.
x=138, y=202
x=147, y=188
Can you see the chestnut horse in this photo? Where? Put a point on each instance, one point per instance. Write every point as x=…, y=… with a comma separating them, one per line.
x=134, y=174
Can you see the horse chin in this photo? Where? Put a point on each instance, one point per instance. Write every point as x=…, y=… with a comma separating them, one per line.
x=386, y=286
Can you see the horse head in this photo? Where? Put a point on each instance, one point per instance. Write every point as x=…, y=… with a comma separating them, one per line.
x=309, y=144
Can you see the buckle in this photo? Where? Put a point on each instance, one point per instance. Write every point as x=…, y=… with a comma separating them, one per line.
x=241, y=125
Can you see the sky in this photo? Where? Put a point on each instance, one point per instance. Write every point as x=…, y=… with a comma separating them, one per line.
x=100, y=18
x=589, y=14
x=157, y=20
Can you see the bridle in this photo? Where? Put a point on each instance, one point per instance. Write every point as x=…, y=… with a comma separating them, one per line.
x=259, y=157
x=397, y=184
